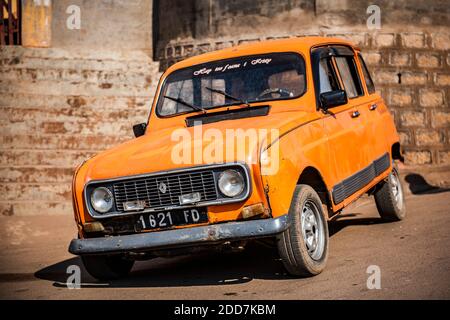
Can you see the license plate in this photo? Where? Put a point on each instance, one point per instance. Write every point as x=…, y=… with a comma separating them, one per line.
x=167, y=219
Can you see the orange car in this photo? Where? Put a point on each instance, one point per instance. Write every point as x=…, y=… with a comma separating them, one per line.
x=268, y=140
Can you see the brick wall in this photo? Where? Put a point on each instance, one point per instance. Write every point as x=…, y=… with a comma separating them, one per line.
x=58, y=108
x=408, y=55
x=411, y=70
x=202, y=19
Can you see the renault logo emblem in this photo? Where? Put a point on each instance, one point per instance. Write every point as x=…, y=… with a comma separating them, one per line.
x=162, y=187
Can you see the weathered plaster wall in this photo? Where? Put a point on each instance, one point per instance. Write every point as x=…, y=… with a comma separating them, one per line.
x=213, y=19
x=58, y=108
x=105, y=24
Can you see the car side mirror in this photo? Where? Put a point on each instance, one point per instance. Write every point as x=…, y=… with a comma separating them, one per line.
x=333, y=99
x=139, y=129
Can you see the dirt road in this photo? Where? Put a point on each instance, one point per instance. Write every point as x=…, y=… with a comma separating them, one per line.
x=413, y=256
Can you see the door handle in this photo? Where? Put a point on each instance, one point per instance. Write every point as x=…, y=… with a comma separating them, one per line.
x=355, y=114
x=373, y=107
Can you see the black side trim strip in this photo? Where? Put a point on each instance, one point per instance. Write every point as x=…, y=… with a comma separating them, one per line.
x=381, y=164
x=248, y=112
x=359, y=180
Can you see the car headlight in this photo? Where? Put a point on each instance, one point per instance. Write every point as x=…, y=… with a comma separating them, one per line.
x=102, y=199
x=231, y=183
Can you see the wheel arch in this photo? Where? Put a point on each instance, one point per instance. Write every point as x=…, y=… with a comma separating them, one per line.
x=312, y=177
x=397, y=152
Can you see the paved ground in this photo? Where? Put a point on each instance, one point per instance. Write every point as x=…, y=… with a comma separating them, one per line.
x=413, y=255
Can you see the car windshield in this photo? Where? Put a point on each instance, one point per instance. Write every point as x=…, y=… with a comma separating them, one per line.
x=240, y=80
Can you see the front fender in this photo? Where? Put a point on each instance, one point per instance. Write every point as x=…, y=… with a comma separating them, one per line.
x=294, y=151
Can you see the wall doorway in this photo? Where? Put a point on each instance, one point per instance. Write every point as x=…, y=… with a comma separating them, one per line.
x=10, y=27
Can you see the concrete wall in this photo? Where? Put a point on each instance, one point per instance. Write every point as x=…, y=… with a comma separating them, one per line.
x=203, y=19
x=105, y=24
x=61, y=105
x=58, y=108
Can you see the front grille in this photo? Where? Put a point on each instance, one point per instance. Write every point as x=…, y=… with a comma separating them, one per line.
x=148, y=189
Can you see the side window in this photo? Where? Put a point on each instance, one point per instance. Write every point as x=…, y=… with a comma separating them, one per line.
x=327, y=78
x=349, y=75
x=366, y=74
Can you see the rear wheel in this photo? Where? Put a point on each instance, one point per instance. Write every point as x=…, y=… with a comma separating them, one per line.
x=303, y=247
x=390, y=199
x=107, y=267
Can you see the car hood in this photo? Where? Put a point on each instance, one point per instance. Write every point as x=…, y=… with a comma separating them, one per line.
x=161, y=149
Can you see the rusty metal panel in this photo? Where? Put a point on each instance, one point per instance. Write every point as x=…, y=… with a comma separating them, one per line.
x=37, y=23
x=10, y=14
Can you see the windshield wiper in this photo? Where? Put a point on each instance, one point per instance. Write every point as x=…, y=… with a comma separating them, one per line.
x=179, y=100
x=226, y=95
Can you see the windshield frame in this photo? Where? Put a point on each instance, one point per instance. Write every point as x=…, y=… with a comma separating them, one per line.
x=251, y=102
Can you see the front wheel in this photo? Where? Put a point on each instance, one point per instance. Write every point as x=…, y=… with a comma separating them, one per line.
x=303, y=247
x=390, y=199
x=107, y=267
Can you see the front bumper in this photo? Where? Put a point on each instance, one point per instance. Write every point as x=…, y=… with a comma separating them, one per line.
x=149, y=241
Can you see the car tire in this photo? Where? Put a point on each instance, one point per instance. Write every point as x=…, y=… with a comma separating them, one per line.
x=303, y=247
x=107, y=267
x=389, y=198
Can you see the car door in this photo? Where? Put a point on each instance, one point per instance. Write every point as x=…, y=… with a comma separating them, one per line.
x=343, y=124
x=373, y=109
x=350, y=78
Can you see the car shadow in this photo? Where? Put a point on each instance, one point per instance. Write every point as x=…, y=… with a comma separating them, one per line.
x=257, y=261
x=210, y=268
x=347, y=220
x=418, y=185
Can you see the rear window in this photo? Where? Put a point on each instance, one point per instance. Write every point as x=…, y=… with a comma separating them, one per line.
x=249, y=79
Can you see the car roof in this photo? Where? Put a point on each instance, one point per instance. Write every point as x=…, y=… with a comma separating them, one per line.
x=299, y=44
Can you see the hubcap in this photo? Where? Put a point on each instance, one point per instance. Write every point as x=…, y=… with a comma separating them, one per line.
x=312, y=230
x=396, y=188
